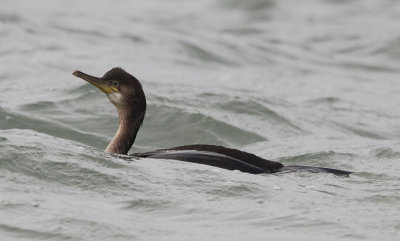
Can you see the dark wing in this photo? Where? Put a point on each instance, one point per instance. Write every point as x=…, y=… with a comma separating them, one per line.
x=298, y=168
x=227, y=158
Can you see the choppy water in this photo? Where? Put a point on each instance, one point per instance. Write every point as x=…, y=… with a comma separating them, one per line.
x=313, y=82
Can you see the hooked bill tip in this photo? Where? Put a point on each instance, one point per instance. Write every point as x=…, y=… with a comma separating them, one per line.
x=77, y=73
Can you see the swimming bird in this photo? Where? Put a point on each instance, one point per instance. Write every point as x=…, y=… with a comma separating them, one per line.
x=126, y=93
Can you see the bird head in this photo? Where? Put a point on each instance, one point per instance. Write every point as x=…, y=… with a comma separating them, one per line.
x=121, y=88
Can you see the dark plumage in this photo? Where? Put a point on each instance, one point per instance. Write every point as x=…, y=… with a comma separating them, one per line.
x=126, y=93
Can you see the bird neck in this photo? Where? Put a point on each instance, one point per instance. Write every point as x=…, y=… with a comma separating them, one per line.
x=129, y=124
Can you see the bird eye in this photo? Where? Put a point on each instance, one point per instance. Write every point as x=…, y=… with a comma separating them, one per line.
x=115, y=83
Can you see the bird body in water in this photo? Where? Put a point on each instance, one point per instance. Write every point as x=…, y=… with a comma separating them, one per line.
x=127, y=95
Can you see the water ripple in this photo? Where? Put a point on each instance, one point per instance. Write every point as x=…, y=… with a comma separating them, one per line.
x=204, y=55
x=314, y=83
x=28, y=234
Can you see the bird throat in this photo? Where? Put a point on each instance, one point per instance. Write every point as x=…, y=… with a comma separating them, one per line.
x=129, y=125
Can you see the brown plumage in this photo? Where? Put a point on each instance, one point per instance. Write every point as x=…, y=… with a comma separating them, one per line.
x=127, y=95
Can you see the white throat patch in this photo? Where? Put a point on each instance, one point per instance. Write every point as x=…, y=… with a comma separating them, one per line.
x=115, y=98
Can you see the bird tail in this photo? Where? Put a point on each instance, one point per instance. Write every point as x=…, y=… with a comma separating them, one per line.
x=296, y=168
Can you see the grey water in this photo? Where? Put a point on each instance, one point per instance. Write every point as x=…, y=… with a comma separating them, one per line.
x=311, y=82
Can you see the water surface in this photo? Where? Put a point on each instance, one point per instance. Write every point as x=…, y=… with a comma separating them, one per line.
x=310, y=83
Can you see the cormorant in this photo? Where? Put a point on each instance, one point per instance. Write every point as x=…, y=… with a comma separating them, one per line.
x=126, y=93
